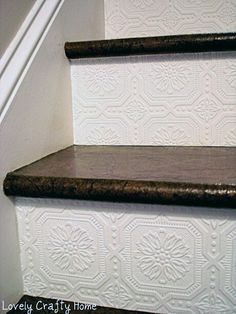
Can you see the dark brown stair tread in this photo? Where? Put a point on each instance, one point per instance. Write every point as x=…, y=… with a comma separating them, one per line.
x=200, y=176
x=37, y=304
x=151, y=45
x=208, y=165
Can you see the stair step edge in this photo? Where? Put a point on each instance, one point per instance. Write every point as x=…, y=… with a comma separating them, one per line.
x=192, y=43
x=207, y=176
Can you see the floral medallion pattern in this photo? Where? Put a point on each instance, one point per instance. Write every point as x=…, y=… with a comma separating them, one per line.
x=161, y=261
x=135, y=110
x=207, y=109
x=170, y=136
x=163, y=256
x=228, y=14
x=34, y=284
x=101, y=79
x=104, y=136
x=71, y=248
x=116, y=294
x=196, y=95
x=170, y=77
x=171, y=19
x=212, y=304
x=171, y=81
x=117, y=22
x=146, y=17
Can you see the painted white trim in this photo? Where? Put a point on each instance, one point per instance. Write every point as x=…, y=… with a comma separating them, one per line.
x=11, y=49
x=18, y=58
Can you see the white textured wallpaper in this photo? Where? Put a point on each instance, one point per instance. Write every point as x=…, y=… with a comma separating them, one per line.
x=155, y=100
x=158, y=100
x=137, y=18
x=165, y=259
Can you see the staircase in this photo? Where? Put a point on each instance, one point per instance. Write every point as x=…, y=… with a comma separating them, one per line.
x=134, y=224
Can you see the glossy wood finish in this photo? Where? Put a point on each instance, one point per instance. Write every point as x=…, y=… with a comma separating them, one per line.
x=198, y=176
x=208, y=165
x=151, y=45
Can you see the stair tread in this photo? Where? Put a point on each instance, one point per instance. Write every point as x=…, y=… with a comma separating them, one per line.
x=151, y=45
x=201, y=176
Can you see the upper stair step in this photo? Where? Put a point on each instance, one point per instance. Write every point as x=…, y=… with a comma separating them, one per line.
x=151, y=45
x=195, y=176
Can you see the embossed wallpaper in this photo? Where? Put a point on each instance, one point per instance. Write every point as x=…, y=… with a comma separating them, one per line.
x=137, y=18
x=165, y=259
x=158, y=100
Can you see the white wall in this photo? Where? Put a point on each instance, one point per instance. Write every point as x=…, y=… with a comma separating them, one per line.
x=39, y=120
x=162, y=259
x=158, y=100
x=12, y=14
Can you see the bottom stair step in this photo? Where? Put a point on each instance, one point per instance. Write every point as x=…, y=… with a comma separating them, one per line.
x=165, y=259
x=50, y=306
x=196, y=176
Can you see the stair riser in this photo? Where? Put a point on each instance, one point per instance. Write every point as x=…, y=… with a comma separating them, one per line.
x=155, y=258
x=155, y=100
x=135, y=18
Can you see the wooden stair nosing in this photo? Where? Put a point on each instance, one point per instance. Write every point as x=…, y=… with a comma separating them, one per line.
x=207, y=176
x=151, y=45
